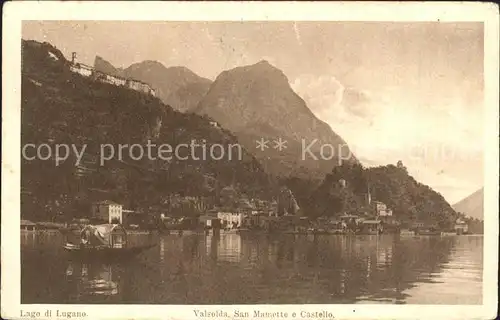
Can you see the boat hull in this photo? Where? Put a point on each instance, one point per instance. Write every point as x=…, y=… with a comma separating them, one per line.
x=428, y=233
x=104, y=253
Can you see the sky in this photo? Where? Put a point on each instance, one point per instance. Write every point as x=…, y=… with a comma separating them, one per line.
x=409, y=91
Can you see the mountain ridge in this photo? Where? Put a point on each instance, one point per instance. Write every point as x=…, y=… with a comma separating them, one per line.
x=176, y=86
x=472, y=205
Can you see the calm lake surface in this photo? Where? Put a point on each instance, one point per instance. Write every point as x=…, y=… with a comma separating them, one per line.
x=260, y=269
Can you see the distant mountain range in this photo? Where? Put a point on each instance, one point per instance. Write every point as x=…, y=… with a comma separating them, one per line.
x=254, y=102
x=178, y=87
x=472, y=205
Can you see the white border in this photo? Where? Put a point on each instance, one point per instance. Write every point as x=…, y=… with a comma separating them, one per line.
x=16, y=12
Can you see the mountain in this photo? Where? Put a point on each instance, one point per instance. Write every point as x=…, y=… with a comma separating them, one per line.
x=472, y=205
x=256, y=102
x=347, y=187
x=178, y=87
x=60, y=108
x=104, y=66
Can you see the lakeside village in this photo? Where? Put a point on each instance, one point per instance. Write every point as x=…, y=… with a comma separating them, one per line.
x=242, y=215
x=246, y=216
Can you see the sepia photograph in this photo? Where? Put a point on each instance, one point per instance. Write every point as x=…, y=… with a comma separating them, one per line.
x=261, y=163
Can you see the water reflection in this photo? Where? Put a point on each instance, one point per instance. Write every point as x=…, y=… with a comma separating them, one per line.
x=91, y=279
x=229, y=268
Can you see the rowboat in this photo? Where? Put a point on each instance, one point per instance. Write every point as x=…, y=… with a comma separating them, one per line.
x=105, y=241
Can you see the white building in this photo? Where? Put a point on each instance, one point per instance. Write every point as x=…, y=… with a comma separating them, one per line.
x=82, y=69
x=385, y=213
x=461, y=226
x=382, y=209
x=117, y=81
x=231, y=219
x=109, y=211
x=88, y=71
x=139, y=86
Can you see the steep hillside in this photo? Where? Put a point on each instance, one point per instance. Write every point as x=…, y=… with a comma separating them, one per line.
x=392, y=185
x=61, y=107
x=472, y=205
x=178, y=87
x=257, y=102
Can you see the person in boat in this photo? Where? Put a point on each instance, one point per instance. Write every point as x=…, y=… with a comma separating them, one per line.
x=343, y=226
x=84, y=239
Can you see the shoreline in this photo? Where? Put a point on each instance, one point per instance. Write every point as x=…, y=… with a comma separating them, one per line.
x=191, y=232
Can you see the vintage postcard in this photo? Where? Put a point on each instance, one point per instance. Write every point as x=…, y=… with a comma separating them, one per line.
x=250, y=160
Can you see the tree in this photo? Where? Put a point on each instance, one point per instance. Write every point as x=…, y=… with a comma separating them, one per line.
x=401, y=166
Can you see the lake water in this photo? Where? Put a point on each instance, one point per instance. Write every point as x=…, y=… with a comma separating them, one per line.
x=261, y=269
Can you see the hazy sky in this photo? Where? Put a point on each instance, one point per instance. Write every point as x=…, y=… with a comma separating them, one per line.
x=393, y=91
